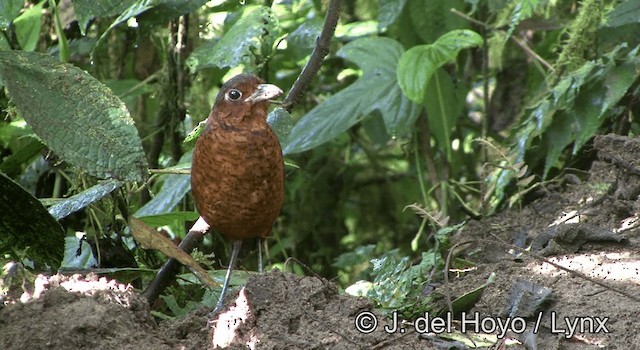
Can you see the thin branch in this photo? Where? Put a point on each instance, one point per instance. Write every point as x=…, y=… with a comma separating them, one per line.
x=519, y=42
x=321, y=50
x=170, y=171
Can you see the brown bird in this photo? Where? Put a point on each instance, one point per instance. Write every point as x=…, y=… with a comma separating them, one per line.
x=237, y=173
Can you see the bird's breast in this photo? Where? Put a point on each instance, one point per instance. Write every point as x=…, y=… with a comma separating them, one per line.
x=237, y=180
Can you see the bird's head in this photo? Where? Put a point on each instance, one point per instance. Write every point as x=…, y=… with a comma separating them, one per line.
x=244, y=96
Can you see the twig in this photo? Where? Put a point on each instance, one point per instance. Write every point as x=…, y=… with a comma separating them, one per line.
x=531, y=53
x=321, y=50
x=519, y=42
x=170, y=171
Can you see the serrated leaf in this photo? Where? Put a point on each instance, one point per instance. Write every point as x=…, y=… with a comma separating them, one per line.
x=242, y=44
x=75, y=115
x=78, y=254
x=82, y=200
x=26, y=224
x=377, y=89
x=619, y=79
x=418, y=64
x=9, y=10
x=174, y=188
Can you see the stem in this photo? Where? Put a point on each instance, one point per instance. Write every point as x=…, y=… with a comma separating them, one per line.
x=321, y=50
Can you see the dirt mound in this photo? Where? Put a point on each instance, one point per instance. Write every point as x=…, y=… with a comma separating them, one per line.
x=273, y=311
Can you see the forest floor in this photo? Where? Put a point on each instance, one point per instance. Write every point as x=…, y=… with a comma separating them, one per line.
x=595, y=305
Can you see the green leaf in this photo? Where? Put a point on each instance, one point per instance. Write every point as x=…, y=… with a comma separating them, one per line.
x=433, y=19
x=9, y=10
x=619, y=80
x=28, y=26
x=86, y=10
x=78, y=254
x=306, y=34
x=377, y=89
x=328, y=120
x=626, y=12
x=388, y=11
x=281, y=123
x=166, y=219
x=26, y=225
x=522, y=9
x=174, y=188
x=165, y=10
x=75, y=115
x=243, y=44
x=418, y=64
x=134, y=10
x=12, y=165
x=443, y=109
x=82, y=200
x=578, y=104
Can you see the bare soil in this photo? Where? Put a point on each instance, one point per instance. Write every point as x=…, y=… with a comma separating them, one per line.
x=599, y=295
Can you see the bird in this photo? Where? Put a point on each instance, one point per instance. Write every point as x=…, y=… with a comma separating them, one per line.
x=237, y=170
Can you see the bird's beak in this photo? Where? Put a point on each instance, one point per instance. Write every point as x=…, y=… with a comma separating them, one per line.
x=263, y=93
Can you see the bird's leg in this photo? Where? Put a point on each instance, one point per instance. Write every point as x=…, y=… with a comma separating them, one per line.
x=260, y=244
x=234, y=256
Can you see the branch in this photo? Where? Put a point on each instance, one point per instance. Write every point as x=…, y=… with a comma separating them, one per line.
x=168, y=271
x=321, y=50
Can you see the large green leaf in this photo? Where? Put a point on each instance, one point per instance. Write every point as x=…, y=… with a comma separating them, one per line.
x=9, y=10
x=328, y=120
x=418, y=64
x=243, y=44
x=75, y=115
x=83, y=199
x=26, y=225
x=377, y=89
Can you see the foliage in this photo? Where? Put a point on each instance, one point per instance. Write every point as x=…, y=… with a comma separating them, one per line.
x=462, y=107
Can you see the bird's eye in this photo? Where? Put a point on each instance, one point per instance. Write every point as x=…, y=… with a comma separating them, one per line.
x=234, y=95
